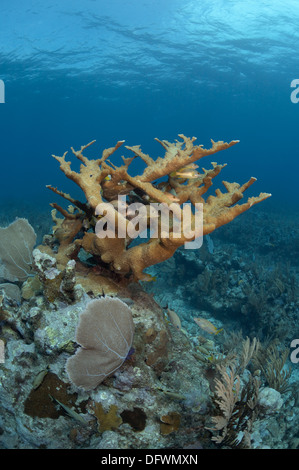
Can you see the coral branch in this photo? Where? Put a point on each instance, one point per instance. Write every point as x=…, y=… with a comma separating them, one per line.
x=178, y=156
x=101, y=180
x=66, y=196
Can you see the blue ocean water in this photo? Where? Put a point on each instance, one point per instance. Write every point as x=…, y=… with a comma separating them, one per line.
x=75, y=71
x=83, y=70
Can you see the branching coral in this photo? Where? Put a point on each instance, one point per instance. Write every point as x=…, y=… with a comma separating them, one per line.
x=238, y=409
x=271, y=360
x=237, y=404
x=102, y=181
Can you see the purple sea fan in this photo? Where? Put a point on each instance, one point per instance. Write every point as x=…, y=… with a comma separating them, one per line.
x=105, y=333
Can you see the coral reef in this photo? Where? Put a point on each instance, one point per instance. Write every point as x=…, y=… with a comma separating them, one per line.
x=41, y=408
x=101, y=180
x=246, y=288
x=174, y=385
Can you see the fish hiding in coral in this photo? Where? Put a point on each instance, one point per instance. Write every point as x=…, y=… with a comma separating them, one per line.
x=174, y=319
x=187, y=172
x=207, y=326
x=102, y=182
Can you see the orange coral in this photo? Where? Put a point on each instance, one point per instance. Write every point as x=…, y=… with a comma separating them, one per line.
x=101, y=181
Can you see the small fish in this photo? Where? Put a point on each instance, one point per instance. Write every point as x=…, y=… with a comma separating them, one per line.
x=207, y=326
x=203, y=350
x=69, y=411
x=170, y=394
x=39, y=378
x=174, y=319
x=191, y=166
x=173, y=174
x=187, y=175
x=186, y=172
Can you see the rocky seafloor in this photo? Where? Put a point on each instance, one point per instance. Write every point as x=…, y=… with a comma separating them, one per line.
x=164, y=396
